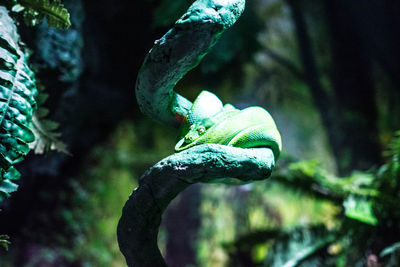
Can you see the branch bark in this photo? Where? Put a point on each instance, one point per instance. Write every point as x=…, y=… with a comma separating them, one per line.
x=141, y=216
x=177, y=52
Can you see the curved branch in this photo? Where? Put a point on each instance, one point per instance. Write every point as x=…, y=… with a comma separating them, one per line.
x=141, y=215
x=178, y=51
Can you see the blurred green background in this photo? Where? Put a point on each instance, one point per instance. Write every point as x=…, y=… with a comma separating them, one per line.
x=327, y=71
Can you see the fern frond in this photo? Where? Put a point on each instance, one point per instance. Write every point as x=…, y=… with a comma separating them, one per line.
x=17, y=104
x=34, y=11
x=45, y=137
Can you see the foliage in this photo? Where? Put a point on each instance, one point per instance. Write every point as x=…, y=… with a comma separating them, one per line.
x=359, y=209
x=312, y=178
x=369, y=203
x=296, y=246
x=34, y=12
x=20, y=128
x=17, y=105
x=46, y=138
x=247, y=220
x=4, y=241
x=391, y=254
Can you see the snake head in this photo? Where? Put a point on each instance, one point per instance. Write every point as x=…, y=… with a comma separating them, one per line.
x=199, y=119
x=196, y=131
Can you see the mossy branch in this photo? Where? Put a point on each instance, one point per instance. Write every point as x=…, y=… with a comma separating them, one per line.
x=177, y=52
x=141, y=216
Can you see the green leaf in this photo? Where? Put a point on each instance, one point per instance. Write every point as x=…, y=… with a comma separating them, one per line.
x=45, y=138
x=42, y=97
x=4, y=241
x=42, y=112
x=17, y=104
x=6, y=188
x=12, y=174
x=34, y=11
x=360, y=209
x=49, y=125
x=17, y=8
x=390, y=250
x=308, y=168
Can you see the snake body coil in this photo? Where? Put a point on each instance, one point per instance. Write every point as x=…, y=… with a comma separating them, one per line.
x=210, y=122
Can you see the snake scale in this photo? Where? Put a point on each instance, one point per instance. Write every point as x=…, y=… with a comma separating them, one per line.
x=209, y=121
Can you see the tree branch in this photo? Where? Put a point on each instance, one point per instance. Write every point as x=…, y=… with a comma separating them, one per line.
x=141, y=215
x=177, y=52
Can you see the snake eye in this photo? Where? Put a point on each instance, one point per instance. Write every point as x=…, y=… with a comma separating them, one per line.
x=201, y=129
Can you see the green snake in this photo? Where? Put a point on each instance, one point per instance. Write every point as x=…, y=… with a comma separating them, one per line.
x=209, y=121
